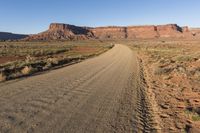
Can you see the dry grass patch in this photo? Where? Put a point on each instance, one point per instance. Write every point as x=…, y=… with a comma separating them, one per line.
x=27, y=70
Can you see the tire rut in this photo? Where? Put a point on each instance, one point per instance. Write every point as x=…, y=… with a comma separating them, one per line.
x=146, y=116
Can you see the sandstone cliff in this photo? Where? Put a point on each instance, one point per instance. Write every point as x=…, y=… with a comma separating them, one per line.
x=171, y=30
x=59, y=31
x=142, y=32
x=109, y=32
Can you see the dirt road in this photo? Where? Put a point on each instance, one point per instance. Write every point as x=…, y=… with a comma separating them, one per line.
x=97, y=95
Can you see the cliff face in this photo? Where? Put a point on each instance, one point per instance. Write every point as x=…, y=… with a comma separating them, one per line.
x=171, y=30
x=59, y=31
x=109, y=32
x=131, y=32
x=141, y=32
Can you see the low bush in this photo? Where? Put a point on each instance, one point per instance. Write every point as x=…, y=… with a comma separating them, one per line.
x=162, y=70
x=27, y=70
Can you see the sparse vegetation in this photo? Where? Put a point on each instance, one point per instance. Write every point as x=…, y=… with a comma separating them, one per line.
x=158, y=70
x=183, y=58
x=25, y=58
x=173, y=74
x=194, y=116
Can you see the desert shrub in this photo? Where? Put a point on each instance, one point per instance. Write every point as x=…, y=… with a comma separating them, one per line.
x=53, y=61
x=161, y=70
x=197, y=71
x=2, y=77
x=196, y=117
x=181, y=69
x=194, y=71
x=29, y=58
x=47, y=66
x=15, y=75
x=27, y=70
x=197, y=75
x=193, y=113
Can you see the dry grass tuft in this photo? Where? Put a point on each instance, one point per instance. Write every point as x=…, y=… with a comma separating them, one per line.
x=2, y=77
x=27, y=70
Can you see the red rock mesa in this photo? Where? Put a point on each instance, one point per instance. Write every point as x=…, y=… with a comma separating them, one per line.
x=58, y=31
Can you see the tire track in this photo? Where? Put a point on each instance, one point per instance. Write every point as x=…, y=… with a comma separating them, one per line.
x=145, y=118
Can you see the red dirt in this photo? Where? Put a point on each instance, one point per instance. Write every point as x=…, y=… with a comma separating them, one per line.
x=6, y=59
x=85, y=49
x=178, y=92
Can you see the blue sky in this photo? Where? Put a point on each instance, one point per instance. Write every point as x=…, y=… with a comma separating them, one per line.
x=33, y=16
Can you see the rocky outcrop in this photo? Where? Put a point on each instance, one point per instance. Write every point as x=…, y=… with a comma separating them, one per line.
x=58, y=31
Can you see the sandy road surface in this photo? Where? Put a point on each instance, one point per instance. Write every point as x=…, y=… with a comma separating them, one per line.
x=97, y=95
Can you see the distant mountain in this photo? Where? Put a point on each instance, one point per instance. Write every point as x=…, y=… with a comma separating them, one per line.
x=11, y=36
